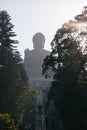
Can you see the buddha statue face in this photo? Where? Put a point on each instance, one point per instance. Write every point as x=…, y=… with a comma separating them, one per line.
x=38, y=41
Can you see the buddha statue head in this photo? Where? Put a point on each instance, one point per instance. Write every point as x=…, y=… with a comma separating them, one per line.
x=38, y=41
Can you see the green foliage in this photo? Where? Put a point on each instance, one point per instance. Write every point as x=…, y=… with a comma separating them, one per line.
x=13, y=79
x=68, y=60
x=6, y=31
x=6, y=122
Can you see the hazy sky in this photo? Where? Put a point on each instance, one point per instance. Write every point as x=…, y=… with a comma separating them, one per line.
x=46, y=16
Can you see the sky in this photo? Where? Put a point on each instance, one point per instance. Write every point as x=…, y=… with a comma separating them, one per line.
x=45, y=16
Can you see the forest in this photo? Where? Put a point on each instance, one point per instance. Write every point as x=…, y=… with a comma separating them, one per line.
x=67, y=60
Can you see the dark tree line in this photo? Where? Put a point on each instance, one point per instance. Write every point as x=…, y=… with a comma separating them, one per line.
x=68, y=60
x=13, y=80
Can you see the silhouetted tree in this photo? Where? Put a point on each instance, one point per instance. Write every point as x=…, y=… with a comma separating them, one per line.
x=13, y=79
x=68, y=60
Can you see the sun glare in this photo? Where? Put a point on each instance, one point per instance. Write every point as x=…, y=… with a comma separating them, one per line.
x=82, y=25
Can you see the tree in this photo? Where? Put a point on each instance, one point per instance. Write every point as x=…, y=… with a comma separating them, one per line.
x=6, y=43
x=13, y=79
x=6, y=122
x=68, y=60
